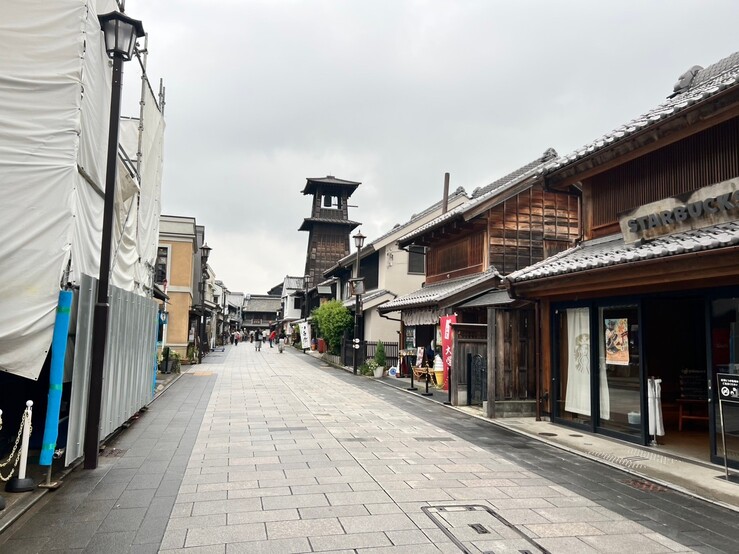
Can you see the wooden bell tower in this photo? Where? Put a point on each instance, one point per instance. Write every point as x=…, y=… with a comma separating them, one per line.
x=328, y=225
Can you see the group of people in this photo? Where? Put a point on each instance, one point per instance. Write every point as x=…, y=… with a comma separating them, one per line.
x=257, y=337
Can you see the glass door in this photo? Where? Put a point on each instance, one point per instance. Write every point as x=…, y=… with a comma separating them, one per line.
x=572, y=383
x=619, y=379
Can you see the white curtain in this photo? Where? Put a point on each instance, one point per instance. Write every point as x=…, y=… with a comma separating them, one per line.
x=654, y=407
x=577, y=395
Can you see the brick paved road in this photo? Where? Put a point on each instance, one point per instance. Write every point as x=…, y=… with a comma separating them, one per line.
x=262, y=452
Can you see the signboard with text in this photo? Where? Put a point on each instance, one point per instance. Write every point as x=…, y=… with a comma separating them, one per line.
x=728, y=387
x=447, y=344
x=711, y=205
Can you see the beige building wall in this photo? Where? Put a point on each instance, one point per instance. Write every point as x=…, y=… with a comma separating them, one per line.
x=178, y=235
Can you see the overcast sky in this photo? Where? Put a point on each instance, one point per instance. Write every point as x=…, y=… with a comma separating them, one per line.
x=263, y=94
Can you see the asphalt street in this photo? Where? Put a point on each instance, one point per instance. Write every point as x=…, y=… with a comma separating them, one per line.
x=266, y=452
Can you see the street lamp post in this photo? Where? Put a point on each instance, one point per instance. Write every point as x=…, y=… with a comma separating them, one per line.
x=120, y=33
x=204, y=254
x=359, y=243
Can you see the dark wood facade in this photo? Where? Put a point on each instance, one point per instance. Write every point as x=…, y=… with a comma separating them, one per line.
x=531, y=226
x=696, y=147
x=696, y=161
x=518, y=227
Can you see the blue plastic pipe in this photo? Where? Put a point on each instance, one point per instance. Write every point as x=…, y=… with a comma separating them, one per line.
x=58, y=353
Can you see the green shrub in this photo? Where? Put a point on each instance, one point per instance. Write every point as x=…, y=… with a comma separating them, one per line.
x=380, y=357
x=332, y=319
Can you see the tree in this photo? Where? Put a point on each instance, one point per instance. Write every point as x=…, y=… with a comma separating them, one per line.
x=332, y=319
x=380, y=357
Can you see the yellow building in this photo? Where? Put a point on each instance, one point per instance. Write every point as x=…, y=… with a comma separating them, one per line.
x=175, y=265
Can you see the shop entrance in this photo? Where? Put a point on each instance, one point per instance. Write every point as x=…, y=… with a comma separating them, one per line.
x=674, y=331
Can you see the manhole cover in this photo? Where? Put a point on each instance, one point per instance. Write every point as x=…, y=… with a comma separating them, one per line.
x=476, y=528
x=645, y=486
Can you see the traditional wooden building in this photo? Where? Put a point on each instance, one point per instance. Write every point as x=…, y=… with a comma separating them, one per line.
x=649, y=299
x=328, y=226
x=507, y=225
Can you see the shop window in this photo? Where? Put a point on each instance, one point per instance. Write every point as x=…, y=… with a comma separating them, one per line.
x=296, y=303
x=417, y=259
x=619, y=369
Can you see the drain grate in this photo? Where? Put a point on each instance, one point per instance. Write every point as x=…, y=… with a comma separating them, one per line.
x=113, y=452
x=474, y=528
x=645, y=486
x=433, y=439
x=548, y=434
x=359, y=439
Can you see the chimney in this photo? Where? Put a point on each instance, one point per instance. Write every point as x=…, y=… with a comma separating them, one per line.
x=445, y=201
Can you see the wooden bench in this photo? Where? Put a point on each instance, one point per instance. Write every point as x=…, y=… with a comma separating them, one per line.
x=419, y=373
x=691, y=409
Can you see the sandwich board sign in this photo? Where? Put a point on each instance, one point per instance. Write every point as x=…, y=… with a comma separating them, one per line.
x=728, y=391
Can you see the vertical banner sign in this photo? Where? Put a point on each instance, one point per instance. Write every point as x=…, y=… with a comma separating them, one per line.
x=447, y=344
x=305, y=335
x=728, y=391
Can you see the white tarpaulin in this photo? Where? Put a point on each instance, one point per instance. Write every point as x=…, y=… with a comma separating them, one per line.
x=54, y=105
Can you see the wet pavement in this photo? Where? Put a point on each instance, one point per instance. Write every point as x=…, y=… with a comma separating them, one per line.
x=267, y=452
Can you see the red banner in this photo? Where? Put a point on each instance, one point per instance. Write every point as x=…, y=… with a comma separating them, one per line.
x=447, y=344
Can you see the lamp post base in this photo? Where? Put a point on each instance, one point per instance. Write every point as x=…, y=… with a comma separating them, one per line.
x=17, y=484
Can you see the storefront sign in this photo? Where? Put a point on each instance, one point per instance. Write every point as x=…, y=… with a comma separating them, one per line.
x=410, y=337
x=305, y=335
x=447, y=344
x=728, y=387
x=708, y=206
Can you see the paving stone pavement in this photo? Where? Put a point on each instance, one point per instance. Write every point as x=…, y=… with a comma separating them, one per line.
x=266, y=452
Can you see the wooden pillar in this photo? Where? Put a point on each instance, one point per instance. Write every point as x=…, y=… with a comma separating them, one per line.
x=492, y=369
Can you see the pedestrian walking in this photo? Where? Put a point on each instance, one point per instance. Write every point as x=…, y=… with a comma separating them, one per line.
x=272, y=337
x=281, y=343
x=237, y=336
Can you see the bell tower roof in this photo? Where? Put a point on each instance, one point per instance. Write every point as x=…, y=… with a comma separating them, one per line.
x=330, y=183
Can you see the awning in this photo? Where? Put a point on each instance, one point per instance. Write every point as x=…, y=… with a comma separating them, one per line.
x=489, y=299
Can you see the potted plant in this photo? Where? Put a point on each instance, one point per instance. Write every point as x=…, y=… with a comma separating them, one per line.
x=375, y=368
x=170, y=361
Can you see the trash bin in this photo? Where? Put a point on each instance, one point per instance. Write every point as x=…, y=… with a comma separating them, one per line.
x=321, y=346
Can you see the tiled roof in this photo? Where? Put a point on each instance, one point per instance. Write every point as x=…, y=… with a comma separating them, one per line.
x=366, y=298
x=398, y=227
x=482, y=194
x=611, y=250
x=309, y=220
x=705, y=84
x=293, y=283
x=437, y=292
x=311, y=184
x=331, y=180
x=491, y=298
x=262, y=304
